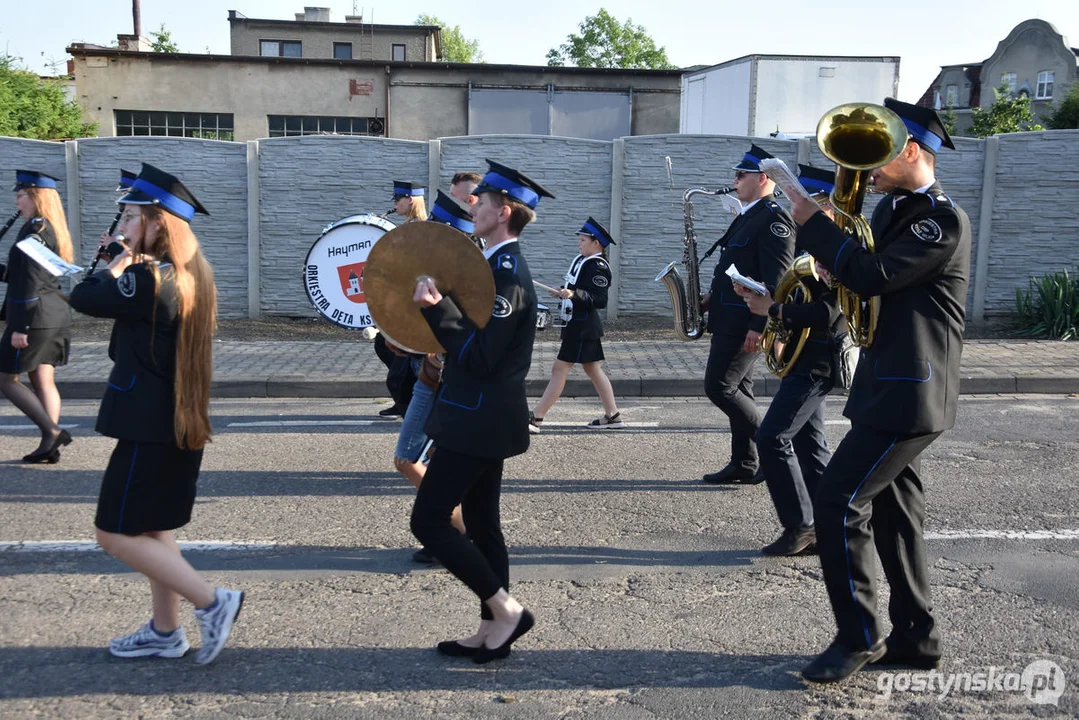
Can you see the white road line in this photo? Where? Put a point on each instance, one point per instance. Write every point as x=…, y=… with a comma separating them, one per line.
x=34, y=427
x=1003, y=535
x=300, y=423
x=630, y=424
x=67, y=546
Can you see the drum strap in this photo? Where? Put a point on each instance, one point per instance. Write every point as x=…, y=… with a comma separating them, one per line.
x=565, y=311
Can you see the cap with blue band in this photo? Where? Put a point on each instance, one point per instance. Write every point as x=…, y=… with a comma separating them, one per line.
x=924, y=125
x=127, y=179
x=446, y=210
x=25, y=179
x=592, y=228
x=513, y=184
x=816, y=180
x=752, y=159
x=402, y=188
x=157, y=187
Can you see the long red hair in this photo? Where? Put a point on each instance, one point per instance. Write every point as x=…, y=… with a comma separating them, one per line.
x=197, y=294
x=47, y=204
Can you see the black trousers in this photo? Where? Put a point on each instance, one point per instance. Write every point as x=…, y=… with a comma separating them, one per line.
x=728, y=383
x=479, y=560
x=399, y=375
x=871, y=493
x=793, y=449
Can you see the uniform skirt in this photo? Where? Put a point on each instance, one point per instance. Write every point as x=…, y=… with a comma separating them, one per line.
x=147, y=487
x=48, y=346
x=580, y=351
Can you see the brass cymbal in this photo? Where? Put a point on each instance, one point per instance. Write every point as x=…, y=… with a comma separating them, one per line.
x=410, y=251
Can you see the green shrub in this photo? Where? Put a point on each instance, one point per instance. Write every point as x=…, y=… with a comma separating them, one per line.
x=1049, y=307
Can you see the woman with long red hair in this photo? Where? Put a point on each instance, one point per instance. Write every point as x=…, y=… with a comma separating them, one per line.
x=161, y=292
x=38, y=334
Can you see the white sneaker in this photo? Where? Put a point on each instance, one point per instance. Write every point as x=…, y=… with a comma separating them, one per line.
x=216, y=623
x=147, y=642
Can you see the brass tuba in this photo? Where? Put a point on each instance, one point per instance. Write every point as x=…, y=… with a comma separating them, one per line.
x=779, y=345
x=858, y=138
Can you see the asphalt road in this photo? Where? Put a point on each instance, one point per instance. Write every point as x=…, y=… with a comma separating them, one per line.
x=651, y=597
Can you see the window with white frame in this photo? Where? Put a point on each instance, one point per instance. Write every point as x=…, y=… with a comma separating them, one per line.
x=951, y=98
x=208, y=126
x=1007, y=80
x=1045, y=85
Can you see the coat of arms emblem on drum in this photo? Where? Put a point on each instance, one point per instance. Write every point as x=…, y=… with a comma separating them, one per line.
x=351, y=277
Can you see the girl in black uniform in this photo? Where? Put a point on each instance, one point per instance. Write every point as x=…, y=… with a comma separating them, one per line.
x=584, y=294
x=38, y=333
x=161, y=293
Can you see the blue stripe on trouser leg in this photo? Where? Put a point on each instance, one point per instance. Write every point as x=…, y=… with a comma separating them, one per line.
x=846, y=544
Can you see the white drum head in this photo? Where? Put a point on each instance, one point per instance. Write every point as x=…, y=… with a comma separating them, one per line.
x=333, y=271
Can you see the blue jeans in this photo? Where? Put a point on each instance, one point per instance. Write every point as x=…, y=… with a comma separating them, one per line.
x=411, y=439
x=793, y=450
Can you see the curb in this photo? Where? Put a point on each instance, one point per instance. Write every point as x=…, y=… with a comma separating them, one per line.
x=299, y=386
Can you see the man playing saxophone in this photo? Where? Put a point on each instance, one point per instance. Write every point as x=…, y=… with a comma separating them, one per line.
x=791, y=442
x=903, y=397
x=760, y=242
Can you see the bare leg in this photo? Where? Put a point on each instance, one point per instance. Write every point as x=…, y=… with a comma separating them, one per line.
x=160, y=560
x=507, y=612
x=30, y=405
x=166, y=601
x=594, y=371
x=414, y=473
x=475, y=641
x=557, y=384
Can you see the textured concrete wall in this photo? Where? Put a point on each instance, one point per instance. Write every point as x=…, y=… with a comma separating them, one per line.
x=19, y=154
x=307, y=183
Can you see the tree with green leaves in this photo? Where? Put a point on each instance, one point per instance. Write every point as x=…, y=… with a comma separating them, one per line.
x=31, y=107
x=455, y=46
x=162, y=41
x=949, y=119
x=1065, y=116
x=606, y=43
x=1007, y=114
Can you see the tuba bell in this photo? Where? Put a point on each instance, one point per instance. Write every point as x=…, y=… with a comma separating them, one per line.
x=858, y=138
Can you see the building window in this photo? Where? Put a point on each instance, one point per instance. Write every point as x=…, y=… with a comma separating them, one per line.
x=208, y=126
x=342, y=51
x=398, y=53
x=951, y=98
x=1045, y=85
x=1007, y=80
x=826, y=72
x=280, y=48
x=291, y=125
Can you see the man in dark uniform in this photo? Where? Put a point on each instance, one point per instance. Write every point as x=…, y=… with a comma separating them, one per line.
x=480, y=416
x=760, y=243
x=791, y=440
x=903, y=397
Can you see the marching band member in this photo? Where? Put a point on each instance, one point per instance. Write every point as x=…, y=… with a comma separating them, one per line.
x=462, y=185
x=162, y=296
x=793, y=450
x=760, y=243
x=903, y=397
x=412, y=439
x=38, y=333
x=583, y=296
x=481, y=415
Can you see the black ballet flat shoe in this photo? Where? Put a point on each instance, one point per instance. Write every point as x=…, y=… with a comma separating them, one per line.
x=486, y=654
x=452, y=648
x=40, y=456
x=54, y=457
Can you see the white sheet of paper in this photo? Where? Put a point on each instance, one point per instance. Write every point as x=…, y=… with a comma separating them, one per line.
x=782, y=176
x=735, y=276
x=733, y=204
x=47, y=259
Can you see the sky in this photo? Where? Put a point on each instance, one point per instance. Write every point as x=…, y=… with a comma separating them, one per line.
x=693, y=33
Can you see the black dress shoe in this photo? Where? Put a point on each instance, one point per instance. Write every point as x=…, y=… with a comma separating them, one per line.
x=733, y=475
x=839, y=662
x=486, y=654
x=792, y=542
x=40, y=456
x=394, y=411
x=452, y=648
x=902, y=655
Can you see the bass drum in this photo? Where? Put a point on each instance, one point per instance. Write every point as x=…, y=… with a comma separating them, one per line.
x=333, y=271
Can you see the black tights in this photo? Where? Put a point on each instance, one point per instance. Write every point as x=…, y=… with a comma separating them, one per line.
x=30, y=404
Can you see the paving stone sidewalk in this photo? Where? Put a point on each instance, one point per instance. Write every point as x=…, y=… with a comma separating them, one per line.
x=636, y=369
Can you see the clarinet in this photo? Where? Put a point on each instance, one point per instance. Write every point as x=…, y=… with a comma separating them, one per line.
x=9, y=223
x=104, y=251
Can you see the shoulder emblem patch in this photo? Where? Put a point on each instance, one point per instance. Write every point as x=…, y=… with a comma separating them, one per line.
x=507, y=262
x=927, y=230
x=502, y=307
x=600, y=281
x=126, y=284
x=780, y=230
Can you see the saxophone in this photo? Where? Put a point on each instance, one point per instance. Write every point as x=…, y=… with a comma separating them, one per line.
x=686, y=295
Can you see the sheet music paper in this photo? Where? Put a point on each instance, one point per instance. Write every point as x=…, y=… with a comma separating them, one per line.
x=47, y=259
x=735, y=276
x=733, y=204
x=778, y=172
